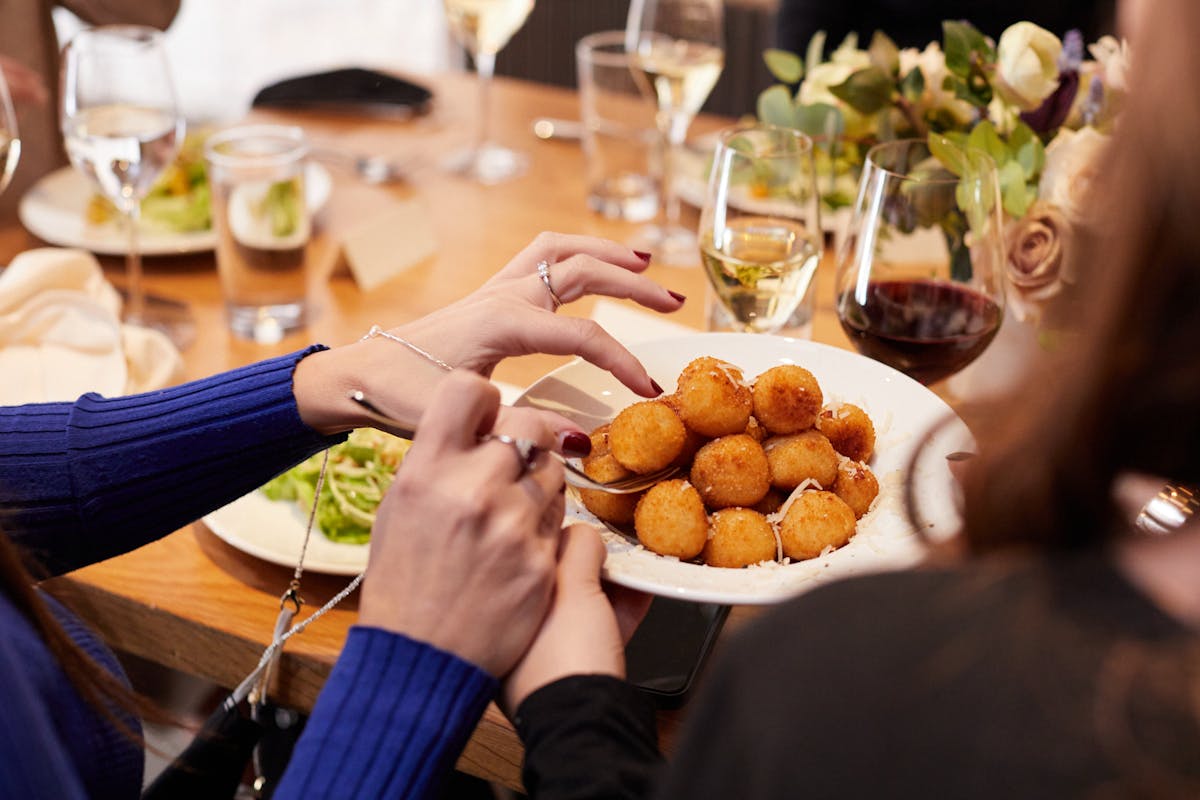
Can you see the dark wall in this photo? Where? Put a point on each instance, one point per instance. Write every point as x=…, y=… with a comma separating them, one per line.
x=544, y=49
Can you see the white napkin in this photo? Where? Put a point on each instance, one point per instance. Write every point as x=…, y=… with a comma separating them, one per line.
x=629, y=326
x=61, y=334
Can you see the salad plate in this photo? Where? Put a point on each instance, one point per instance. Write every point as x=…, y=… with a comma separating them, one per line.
x=901, y=409
x=55, y=210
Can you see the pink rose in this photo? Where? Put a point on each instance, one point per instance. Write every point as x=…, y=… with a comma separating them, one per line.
x=1035, y=245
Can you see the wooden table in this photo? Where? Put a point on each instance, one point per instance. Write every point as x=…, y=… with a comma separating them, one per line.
x=191, y=602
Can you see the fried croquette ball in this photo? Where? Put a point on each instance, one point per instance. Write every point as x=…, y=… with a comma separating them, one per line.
x=739, y=537
x=646, y=436
x=691, y=446
x=849, y=430
x=772, y=501
x=599, y=438
x=614, y=508
x=814, y=521
x=800, y=457
x=856, y=485
x=670, y=520
x=787, y=399
x=713, y=398
x=755, y=430
x=731, y=471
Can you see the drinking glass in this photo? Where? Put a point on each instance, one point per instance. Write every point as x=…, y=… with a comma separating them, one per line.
x=122, y=128
x=10, y=140
x=483, y=27
x=760, y=230
x=676, y=53
x=919, y=277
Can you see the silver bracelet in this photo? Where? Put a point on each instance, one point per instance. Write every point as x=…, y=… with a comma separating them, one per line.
x=1173, y=506
x=430, y=357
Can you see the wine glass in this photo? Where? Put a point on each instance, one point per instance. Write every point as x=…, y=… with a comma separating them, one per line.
x=760, y=230
x=919, y=276
x=676, y=53
x=122, y=128
x=483, y=27
x=10, y=140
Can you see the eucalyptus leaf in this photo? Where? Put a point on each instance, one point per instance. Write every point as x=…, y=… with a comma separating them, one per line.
x=1014, y=190
x=786, y=67
x=1027, y=150
x=950, y=153
x=866, y=91
x=884, y=53
x=815, y=53
x=985, y=137
x=912, y=86
x=775, y=106
x=819, y=119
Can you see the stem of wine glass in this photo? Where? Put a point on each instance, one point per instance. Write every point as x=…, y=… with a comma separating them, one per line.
x=674, y=127
x=485, y=67
x=135, y=297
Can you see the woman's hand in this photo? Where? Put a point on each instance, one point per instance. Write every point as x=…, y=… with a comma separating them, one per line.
x=463, y=549
x=513, y=313
x=587, y=628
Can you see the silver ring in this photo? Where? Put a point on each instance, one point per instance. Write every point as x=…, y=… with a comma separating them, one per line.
x=543, y=269
x=526, y=450
x=1173, y=506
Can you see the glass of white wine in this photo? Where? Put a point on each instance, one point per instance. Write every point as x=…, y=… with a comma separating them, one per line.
x=10, y=141
x=483, y=27
x=122, y=128
x=676, y=52
x=760, y=230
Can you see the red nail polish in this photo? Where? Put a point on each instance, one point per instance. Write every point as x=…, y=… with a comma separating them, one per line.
x=643, y=256
x=654, y=384
x=577, y=445
x=677, y=295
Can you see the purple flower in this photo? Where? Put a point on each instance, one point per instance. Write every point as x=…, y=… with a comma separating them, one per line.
x=1072, y=52
x=1053, y=111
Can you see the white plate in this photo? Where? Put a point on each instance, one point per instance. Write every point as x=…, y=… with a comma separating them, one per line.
x=901, y=409
x=54, y=210
x=274, y=530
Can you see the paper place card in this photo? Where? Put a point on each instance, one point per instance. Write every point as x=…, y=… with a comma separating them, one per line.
x=378, y=249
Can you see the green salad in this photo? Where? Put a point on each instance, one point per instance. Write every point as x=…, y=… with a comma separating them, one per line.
x=360, y=471
x=179, y=200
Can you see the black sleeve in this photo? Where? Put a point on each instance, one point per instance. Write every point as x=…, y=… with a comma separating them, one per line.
x=588, y=736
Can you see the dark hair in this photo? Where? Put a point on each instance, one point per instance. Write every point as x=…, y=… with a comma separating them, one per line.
x=98, y=687
x=1125, y=394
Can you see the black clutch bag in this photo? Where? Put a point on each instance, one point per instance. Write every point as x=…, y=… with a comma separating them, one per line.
x=351, y=90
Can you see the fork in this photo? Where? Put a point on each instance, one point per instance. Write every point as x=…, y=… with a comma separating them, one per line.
x=372, y=169
x=573, y=475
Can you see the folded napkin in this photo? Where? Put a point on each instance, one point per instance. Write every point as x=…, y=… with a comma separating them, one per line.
x=352, y=89
x=629, y=326
x=61, y=333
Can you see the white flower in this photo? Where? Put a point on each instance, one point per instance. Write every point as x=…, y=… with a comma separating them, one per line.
x=1027, y=65
x=1113, y=58
x=815, y=89
x=1072, y=162
x=932, y=62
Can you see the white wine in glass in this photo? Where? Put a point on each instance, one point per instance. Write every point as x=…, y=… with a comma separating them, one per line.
x=676, y=51
x=122, y=127
x=484, y=27
x=760, y=230
x=10, y=141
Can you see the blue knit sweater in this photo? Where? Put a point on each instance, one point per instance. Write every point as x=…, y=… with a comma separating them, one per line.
x=85, y=481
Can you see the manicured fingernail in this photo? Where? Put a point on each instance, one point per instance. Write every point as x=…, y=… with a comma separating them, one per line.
x=576, y=445
x=677, y=295
x=657, y=389
x=642, y=255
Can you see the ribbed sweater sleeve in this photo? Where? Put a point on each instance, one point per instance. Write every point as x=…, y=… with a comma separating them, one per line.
x=81, y=482
x=588, y=736
x=390, y=722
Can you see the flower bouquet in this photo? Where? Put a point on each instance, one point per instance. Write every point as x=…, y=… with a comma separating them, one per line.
x=1033, y=102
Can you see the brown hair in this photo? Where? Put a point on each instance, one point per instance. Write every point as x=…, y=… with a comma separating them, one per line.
x=1125, y=394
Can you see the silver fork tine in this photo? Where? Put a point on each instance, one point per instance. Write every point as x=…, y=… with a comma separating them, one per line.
x=572, y=474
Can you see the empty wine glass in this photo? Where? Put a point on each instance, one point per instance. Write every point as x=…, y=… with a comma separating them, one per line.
x=10, y=141
x=919, y=277
x=760, y=230
x=676, y=52
x=122, y=128
x=484, y=27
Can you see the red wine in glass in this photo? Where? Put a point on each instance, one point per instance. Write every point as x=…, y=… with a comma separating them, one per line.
x=927, y=329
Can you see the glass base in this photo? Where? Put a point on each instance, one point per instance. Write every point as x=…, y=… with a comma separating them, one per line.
x=670, y=245
x=169, y=317
x=488, y=164
x=265, y=324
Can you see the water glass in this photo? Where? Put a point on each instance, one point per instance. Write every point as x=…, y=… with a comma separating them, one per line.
x=263, y=226
x=619, y=135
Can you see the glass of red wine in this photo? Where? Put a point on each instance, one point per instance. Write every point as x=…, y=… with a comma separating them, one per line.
x=919, y=272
